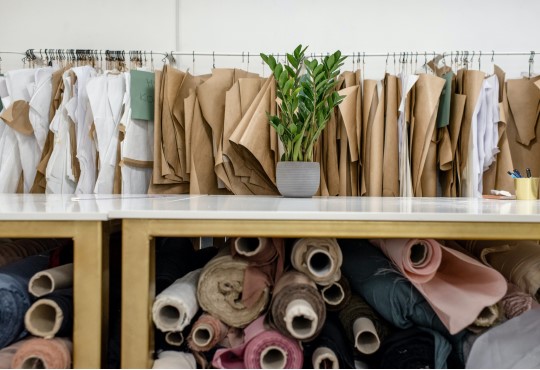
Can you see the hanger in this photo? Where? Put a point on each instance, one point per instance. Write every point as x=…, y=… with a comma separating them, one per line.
x=394, y=57
x=531, y=63
x=248, y=62
x=472, y=59
x=480, y=60
x=386, y=64
x=213, y=60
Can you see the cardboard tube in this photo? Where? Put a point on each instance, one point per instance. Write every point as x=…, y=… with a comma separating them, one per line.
x=324, y=358
x=300, y=319
x=248, y=246
x=203, y=335
x=47, y=281
x=44, y=318
x=320, y=263
x=273, y=357
x=366, y=338
x=333, y=294
x=174, y=338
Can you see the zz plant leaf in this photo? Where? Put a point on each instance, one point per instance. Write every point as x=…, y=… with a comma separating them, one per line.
x=308, y=97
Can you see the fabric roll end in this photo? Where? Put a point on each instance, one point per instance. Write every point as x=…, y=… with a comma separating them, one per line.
x=324, y=358
x=300, y=319
x=44, y=318
x=273, y=357
x=203, y=335
x=366, y=339
x=40, y=285
x=248, y=247
x=333, y=294
x=168, y=317
x=174, y=338
x=320, y=264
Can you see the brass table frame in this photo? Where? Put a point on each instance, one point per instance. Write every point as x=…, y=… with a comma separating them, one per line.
x=90, y=279
x=138, y=255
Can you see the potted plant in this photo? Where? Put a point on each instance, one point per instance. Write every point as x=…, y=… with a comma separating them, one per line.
x=307, y=96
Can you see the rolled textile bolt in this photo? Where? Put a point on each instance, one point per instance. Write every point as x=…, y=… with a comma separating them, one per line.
x=39, y=353
x=249, y=246
x=174, y=308
x=300, y=319
x=273, y=357
x=419, y=255
x=174, y=338
x=487, y=316
x=324, y=358
x=333, y=294
x=202, y=335
x=366, y=339
x=320, y=263
x=47, y=281
x=44, y=318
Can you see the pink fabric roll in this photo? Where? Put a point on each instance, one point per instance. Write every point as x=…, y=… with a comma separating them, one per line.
x=456, y=286
x=7, y=353
x=43, y=354
x=258, y=343
x=206, y=333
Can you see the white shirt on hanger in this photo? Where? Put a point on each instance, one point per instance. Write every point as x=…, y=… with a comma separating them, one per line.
x=106, y=95
x=83, y=118
x=59, y=173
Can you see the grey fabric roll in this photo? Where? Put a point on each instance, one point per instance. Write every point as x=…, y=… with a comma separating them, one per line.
x=14, y=296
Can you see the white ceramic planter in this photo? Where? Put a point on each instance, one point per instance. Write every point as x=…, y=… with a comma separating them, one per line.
x=298, y=179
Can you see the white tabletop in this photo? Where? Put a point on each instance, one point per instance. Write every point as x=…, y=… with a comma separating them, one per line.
x=327, y=208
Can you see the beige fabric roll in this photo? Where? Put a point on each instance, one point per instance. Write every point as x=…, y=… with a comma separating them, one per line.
x=517, y=261
x=320, y=259
x=487, y=317
x=220, y=291
x=47, y=281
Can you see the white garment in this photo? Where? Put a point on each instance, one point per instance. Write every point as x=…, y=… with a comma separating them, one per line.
x=20, y=86
x=405, y=176
x=138, y=144
x=59, y=174
x=40, y=105
x=511, y=345
x=106, y=95
x=83, y=118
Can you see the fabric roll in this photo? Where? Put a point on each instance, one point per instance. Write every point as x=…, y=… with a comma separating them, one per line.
x=206, y=333
x=516, y=302
x=7, y=353
x=517, y=261
x=51, y=316
x=175, y=307
x=45, y=282
x=336, y=295
x=365, y=329
x=266, y=258
x=220, y=290
x=21, y=248
x=175, y=257
x=330, y=350
x=373, y=277
x=487, y=317
x=174, y=338
x=297, y=308
x=262, y=349
x=411, y=348
x=39, y=353
x=511, y=345
x=443, y=276
x=320, y=259
x=175, y=360
x=14, y=297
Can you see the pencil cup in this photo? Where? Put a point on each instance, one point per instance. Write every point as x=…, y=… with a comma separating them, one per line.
x=526, y=188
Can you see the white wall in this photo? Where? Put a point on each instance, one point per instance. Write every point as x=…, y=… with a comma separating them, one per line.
x=360, y=25
x=85, y=24
x=274, y=26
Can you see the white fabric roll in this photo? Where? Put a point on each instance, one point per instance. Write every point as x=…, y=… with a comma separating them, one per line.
x=175, y=307
x=511, y=345
x=175, y=360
